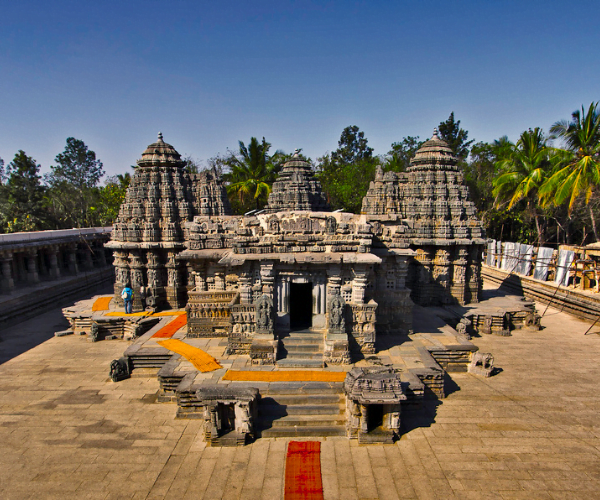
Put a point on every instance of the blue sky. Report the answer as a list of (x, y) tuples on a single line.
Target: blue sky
[(208, 74)]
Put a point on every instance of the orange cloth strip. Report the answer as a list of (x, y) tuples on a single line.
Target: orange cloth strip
[(167, 331), (201, 360), (303, 471), (285, 376), (124, 315), (101, 304)]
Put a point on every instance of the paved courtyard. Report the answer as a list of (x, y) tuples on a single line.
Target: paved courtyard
[(531, 431)]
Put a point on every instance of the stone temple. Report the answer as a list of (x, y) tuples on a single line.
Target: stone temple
[(297, 288)]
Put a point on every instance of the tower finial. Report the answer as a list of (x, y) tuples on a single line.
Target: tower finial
[(435, 133), (160, 137), (296, 153)]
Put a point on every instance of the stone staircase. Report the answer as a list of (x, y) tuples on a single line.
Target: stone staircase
[(302, 409), (302, 349)]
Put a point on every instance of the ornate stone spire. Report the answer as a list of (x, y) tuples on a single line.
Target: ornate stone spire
[(296, 188), (149, 230), (160, 153)]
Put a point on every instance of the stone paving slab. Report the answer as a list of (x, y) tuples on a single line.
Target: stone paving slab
[(531, 431)]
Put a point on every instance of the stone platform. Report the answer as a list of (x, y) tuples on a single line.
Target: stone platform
[(67, 431), (419, 361)]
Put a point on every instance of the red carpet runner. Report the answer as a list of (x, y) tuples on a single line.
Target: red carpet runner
[(303, 471)]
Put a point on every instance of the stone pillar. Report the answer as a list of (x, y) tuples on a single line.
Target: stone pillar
[(334, 280), (245, 282), (7, 282), (53, 256), (267, 277), (100, 252), (319, 301), (285, 299), (359, 284), (88, 260), (32, 267), (72, 259), (219, 281), (316, 297), (364, 420)]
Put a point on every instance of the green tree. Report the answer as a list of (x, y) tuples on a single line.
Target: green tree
[(398, 158), (107, 200), (22, 196), (72, 182), (523, 169), (578, 164), (191, 165), (345, 174), (251, 173), (456, 137)]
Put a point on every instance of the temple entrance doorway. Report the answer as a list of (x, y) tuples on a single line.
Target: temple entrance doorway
[(374, 417), (300, 306)]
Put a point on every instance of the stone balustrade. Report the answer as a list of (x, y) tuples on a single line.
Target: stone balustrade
[(43, 269), (30, 258)]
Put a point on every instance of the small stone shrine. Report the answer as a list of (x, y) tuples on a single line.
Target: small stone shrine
[(298, 286)]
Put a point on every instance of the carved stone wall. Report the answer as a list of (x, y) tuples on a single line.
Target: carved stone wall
[(150, 229), (296, 189), (427, 208)]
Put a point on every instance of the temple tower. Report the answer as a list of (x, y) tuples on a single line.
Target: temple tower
[(439, 222), (149, 231), (296, 189)]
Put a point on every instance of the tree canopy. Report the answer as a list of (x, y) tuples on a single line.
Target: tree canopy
[(22, 196), (251, 173), (398, 158), (455, 136), (345, 174)]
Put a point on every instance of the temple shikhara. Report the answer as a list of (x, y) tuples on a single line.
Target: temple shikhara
[(295, 301)]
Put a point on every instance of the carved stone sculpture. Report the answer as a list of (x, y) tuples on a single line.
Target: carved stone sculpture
[(336, 322), (482, 363), (94, 332), (462, 327), (264, 314), (119, 369)]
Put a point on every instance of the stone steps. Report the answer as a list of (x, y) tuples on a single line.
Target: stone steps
[(321, 420), (302, 362), (313, 409), (321, 431), (304, 349)]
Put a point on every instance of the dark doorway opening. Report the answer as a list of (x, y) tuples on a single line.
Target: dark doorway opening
[(300, 306), (227, 416), (374, 417)]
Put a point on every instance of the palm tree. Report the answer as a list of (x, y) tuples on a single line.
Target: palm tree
[(252, 172), (577, 170), (524, 167)]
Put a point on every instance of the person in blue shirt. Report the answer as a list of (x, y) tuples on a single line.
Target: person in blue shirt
[(127, 296)]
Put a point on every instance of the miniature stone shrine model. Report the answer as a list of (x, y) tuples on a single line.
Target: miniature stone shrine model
[(299, 286)]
